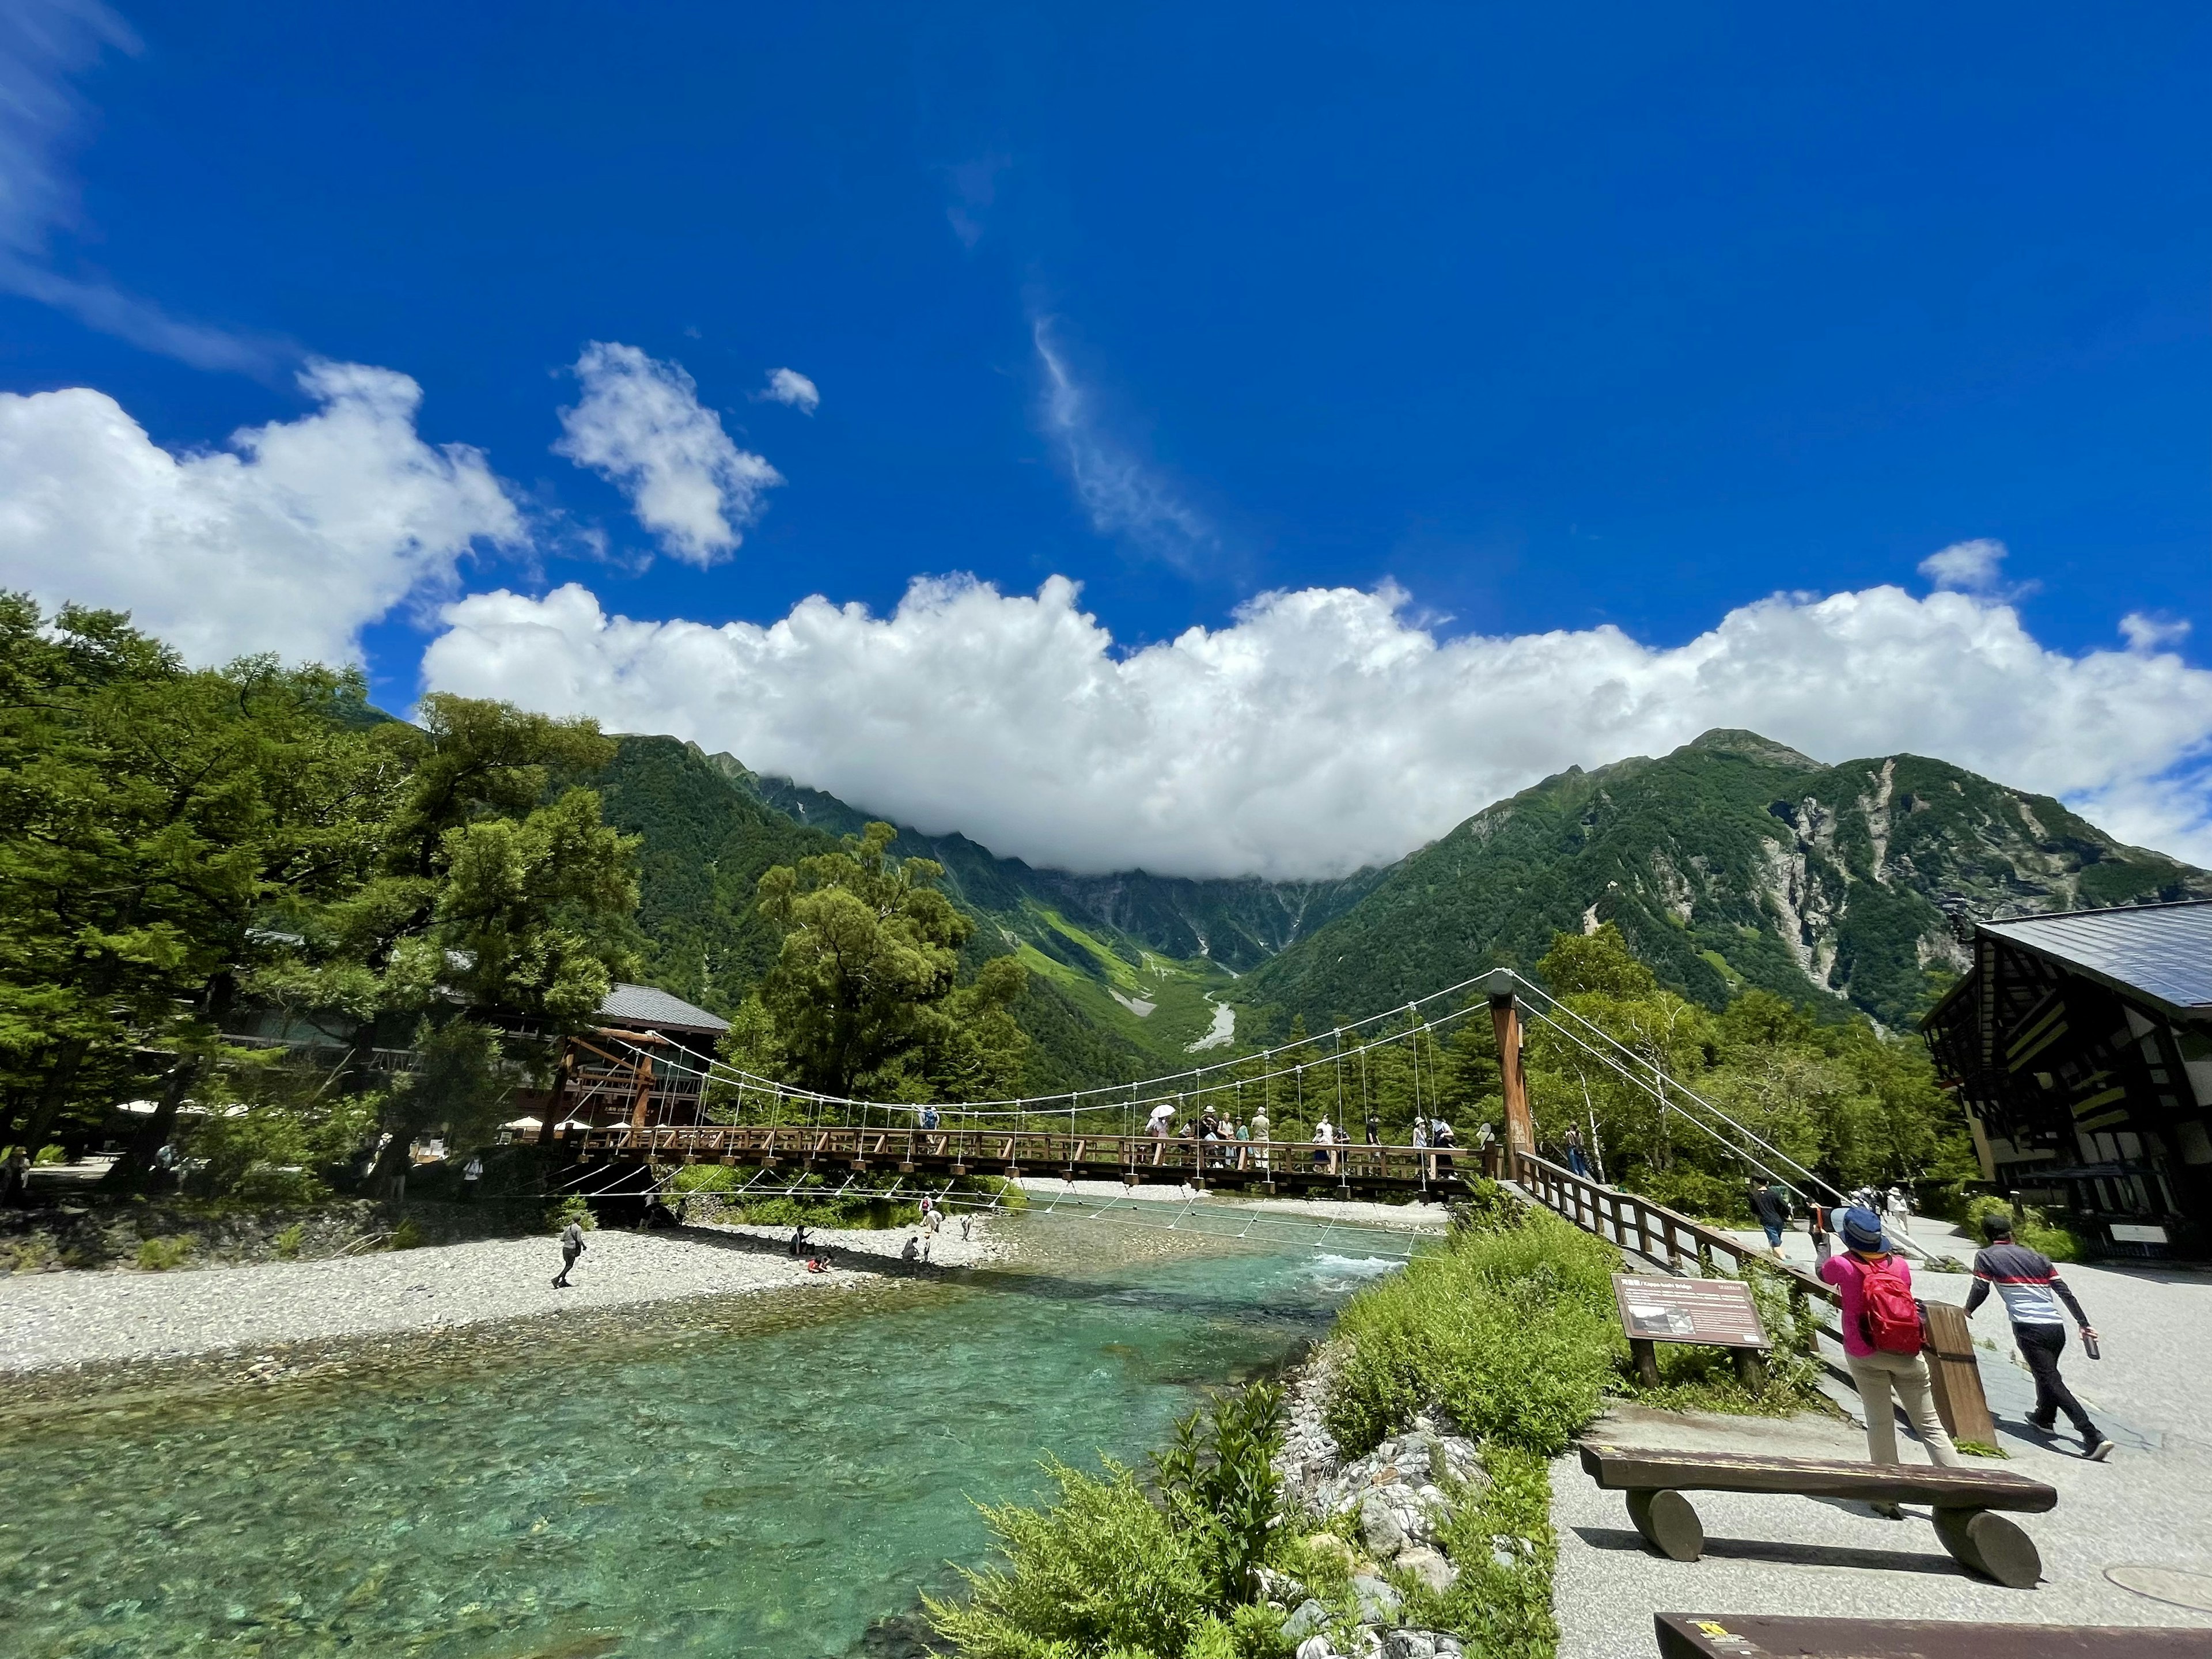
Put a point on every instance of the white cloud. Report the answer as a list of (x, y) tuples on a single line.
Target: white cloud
[(788, 386), (303, 534), (2145, 632), (1324, 728), (42, 44), (1966, 566), (641, 426), (1122, 495)]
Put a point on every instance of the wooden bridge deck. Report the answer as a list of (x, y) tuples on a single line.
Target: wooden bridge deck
[(1260, 1166)]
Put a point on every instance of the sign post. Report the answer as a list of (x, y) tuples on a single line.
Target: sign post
[(1707, 1312)]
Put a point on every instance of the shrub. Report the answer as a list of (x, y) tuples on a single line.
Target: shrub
[(406, 1235), (704, 1178), (1219, 1476), (275, 1185), (290, 1241), (1512, 1333), (570, 1208), (2033, 1229), (1501, 1540), (50, 1155), (1101, 1570), (158, 1255)]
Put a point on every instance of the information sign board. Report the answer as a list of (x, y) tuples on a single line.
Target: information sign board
[(1715, 1312)]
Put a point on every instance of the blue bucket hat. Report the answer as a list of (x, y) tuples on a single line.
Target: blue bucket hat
[(1862, 1229)]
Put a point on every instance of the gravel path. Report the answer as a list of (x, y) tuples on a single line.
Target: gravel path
[(56, 1320)]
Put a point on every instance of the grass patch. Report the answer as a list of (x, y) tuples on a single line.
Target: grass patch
[(159, 1255)]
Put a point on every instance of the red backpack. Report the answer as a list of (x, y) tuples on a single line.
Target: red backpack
[(1889, 1317)]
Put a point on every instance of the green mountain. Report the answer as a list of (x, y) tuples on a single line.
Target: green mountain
[(1732, 862)]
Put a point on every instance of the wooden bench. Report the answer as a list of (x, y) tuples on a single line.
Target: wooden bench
[(1758, 1636), (1655, 1480)]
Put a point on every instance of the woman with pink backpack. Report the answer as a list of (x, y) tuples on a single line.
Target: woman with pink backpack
[(1882, 1337)]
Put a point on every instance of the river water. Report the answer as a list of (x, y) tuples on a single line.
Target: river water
[(750, 1476)]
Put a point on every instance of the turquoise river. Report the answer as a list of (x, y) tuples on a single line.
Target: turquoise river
[(769, 1475)]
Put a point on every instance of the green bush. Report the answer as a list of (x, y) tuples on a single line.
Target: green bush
[(704, 1178), (1722, 1198), (273, 1185), (158, 1255), (2033, 1229), (1103, 1570), (1513, 1333), (1501, 1540), (50, 1155), (290, 1241), (406, 1235), (571, 1208), (1111, 1570)]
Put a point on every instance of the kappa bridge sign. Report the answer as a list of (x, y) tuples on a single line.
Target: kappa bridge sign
[(1706, 1312)]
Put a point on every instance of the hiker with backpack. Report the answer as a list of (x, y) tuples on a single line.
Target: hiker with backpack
[(1882, 1339)]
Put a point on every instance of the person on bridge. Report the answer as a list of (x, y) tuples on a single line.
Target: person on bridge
[(1260, 1130), (1576, 1160), (1771, 1206), (1324, 1140), (2031, 1289), (1882, 1339), (929, 1118), (1374, 1128), (1157, 1124)]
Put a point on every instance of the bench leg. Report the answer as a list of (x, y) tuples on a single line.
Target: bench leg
[(1668, 1523), (1991, 1546)]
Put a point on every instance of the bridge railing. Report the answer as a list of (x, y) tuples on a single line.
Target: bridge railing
[(1034, 1152)]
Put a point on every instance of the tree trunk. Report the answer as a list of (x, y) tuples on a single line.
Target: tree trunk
[(138, 1159), (53, 1094)]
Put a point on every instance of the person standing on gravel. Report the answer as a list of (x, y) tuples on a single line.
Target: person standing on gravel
[(472, 1173), (1882, 1339), (2031, 1289), (571, 1246)]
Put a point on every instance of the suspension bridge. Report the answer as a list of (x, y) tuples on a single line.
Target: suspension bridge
[(630, 1107)]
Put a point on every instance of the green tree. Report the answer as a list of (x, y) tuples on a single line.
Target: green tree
[(865, 993)]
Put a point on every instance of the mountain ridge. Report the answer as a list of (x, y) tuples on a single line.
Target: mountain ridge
[(1731, 862)]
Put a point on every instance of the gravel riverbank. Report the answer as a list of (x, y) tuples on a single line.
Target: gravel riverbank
[(55, 1320)]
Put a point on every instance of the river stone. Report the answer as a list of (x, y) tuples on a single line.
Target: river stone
[(1409, 1644), (1315, 1647), (1367, 1643), (1309, 1617), (1429, 1566), (1378, 1602), (1380, 1525)]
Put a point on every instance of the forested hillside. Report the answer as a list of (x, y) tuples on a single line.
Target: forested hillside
[(1731, 863)]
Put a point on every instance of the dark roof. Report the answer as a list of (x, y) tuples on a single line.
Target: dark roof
[(2161, 953), (646, 1004)]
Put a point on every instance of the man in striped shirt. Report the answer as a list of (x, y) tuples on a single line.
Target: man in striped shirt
[(2031, 1289)]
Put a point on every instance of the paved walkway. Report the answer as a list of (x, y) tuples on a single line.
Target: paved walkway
[(2150, 1506)]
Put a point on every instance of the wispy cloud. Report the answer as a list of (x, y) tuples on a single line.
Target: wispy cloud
[(1122, 493), (1974, 567), (788, 386), (975, 186), (43, 44), (2145, 632)]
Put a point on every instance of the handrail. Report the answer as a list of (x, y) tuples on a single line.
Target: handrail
[(1578, 1197)]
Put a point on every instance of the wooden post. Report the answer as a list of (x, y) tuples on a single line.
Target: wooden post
[(1505, 1021), (644, 1090), (1957, 1375), (1647, 1359)]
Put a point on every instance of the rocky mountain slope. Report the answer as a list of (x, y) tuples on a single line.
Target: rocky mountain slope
[(1732, 862)]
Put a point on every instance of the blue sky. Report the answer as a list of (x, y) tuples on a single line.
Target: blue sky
[(1576, 317)]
